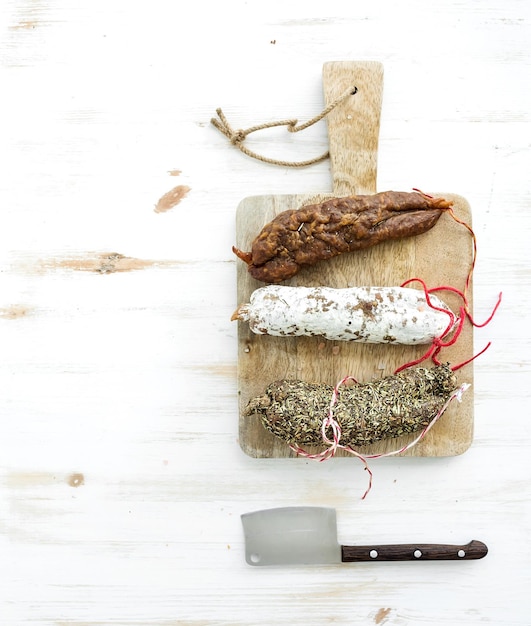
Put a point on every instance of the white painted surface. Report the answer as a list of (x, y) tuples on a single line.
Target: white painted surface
[(121, 477)]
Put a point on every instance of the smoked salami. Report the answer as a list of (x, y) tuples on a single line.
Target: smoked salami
[(300, 237)]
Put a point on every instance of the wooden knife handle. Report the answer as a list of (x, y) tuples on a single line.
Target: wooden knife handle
[(414, 552)]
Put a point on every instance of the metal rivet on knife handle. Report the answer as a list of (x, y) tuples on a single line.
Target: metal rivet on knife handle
[(414, 552)]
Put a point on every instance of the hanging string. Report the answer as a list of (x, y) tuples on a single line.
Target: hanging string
[(439, 342), (237, 137), (464, 311), (464, 292)]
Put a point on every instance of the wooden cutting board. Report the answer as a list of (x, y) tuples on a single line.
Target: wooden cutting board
[(440, 257)]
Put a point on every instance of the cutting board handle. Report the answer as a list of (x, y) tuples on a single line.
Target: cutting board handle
[(354, 125)]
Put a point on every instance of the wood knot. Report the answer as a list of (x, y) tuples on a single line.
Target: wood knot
[(76, 480)]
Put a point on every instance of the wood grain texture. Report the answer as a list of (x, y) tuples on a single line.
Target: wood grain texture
[(354, 126), (263, 359), (122, 480)]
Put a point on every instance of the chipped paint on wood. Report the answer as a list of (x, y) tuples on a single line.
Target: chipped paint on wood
[(24, 25), (171, 198), (31, 15), (101, 263), (14, 311), (18, 480), (22, 480), (381, 615), (224, 370)]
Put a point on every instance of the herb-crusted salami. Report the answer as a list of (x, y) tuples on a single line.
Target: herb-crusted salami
[(389, 407), (395, 315), (316, 232)]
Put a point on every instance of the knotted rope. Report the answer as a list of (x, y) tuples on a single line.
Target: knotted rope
[(237, 137)]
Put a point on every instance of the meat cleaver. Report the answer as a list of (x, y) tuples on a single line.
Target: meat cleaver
[(307, 535)]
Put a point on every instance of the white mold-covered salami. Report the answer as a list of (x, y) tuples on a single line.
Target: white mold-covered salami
[(396, 315)]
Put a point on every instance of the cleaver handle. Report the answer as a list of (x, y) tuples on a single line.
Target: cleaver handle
[(414, 552)]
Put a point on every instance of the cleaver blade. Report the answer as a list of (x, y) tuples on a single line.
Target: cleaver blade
[(307, 535)]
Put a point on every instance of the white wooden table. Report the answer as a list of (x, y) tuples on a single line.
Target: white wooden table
[(121, 477)]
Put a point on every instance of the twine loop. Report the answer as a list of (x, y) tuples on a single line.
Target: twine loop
[(237, 137)]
